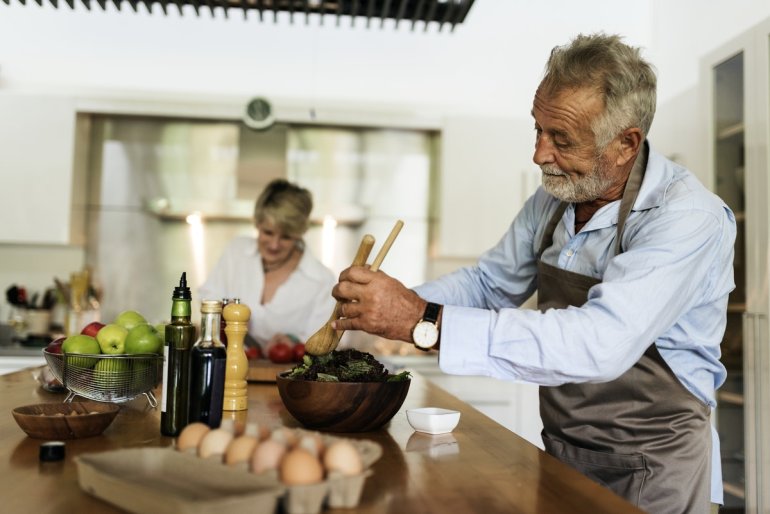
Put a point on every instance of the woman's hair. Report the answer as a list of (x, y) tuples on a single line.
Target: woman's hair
[(617, 71), (285, 204)]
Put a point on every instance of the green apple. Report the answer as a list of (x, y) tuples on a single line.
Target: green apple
[(111, 374), (81, 343), (112, 338), (161, 328), (129, 319), (144, 339)]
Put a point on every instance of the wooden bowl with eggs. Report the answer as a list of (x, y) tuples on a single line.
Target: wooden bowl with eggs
[(342, 406)]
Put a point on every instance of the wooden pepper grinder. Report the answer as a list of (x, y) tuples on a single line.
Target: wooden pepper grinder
[(237, 317)]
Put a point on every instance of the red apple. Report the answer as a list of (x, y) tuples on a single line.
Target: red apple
[(280, 353), (92, 328), (55, 345), (298, 351)]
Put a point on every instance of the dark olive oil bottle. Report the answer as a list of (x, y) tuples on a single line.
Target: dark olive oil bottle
[(208, 363), (180, 336)]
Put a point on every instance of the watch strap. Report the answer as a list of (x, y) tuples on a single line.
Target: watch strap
[(431, 313)]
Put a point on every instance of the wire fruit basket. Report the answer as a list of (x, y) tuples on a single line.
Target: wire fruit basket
[(107, 378)]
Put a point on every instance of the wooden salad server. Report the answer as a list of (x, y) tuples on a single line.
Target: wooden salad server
[(326, 339), (323, 341)]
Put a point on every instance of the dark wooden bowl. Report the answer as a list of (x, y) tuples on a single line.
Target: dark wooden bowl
[(56, 421), (342, 406)]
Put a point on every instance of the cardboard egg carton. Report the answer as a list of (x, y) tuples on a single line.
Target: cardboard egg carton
[(167, 481)]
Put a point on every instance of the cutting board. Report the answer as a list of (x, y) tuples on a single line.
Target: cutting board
[(262, 370)]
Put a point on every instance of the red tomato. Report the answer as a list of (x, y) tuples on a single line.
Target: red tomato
[(298, 351), (253, 352), (280, 353)]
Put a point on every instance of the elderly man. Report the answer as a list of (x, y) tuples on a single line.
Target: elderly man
[(631, 258)]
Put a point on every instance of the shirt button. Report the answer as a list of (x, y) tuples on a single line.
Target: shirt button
[(570, 253)]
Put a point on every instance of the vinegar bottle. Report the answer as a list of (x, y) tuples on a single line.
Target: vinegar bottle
[(208, 361), (180, 335)]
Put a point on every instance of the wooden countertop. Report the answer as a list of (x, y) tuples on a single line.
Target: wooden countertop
[(480, 467)]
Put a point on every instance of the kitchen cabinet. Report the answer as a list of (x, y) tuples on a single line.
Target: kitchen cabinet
[(37, 165), (736, 92)]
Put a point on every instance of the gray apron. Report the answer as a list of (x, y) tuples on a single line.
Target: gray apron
[(642, 435)]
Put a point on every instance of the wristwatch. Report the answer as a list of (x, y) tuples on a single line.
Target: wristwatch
[(425, 333)]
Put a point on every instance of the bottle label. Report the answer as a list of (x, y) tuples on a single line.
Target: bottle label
[(164, 392)]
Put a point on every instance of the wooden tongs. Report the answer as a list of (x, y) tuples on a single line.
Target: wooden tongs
[(326, 338)]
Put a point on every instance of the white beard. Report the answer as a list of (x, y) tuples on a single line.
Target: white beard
[(582, 188)]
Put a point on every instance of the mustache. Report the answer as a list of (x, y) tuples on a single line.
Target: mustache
[(550, 169)]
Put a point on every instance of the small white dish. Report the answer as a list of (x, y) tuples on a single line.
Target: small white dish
[(433, 420)]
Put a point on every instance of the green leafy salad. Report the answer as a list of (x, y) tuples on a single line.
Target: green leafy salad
[(344, 366)]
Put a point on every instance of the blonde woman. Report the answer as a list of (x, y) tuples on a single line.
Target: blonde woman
[(287, 289)]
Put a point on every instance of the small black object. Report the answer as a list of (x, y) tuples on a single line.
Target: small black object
[(182, 291), (52, 451)]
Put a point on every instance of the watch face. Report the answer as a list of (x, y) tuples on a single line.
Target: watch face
[(425, 334)]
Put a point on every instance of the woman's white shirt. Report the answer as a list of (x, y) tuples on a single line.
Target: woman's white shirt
[(300, 306)]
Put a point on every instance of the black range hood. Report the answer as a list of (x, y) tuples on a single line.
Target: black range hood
[(447, 13)]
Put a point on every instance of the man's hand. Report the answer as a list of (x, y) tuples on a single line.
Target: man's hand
[(377, 303)]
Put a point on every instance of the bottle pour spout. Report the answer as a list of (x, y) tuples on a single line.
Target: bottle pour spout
[(182, 291)]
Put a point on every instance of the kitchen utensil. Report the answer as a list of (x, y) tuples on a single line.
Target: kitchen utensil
[(121, 378), (376, 265), (325, 340), (38, 321), (16, 296), (65, 420), (342, 406)]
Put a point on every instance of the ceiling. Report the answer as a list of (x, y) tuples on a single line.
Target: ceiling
[(372, 13)]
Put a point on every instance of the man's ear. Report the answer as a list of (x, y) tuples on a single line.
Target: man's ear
[(630, 142)]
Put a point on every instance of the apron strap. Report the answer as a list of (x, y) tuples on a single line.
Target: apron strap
[(630, 193), (549, 229)]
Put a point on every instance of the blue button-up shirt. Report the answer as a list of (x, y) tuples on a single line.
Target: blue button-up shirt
[(670, 285)]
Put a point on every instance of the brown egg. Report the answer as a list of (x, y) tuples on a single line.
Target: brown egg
[(342, 457), (191, 436), (264, 433), (240, 450), (214, 443), (267, 456), (299, 467)]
